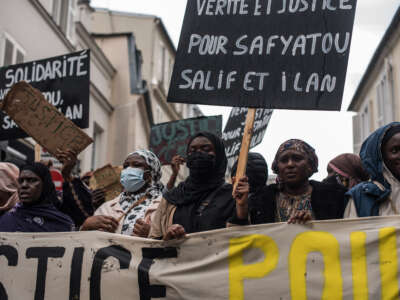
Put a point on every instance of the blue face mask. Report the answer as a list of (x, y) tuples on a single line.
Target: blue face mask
[(132, 179)]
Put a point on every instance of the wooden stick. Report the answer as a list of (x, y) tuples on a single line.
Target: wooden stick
[(244, 149), (38, 151)]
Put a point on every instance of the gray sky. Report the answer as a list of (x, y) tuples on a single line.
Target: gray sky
[(330, 133)]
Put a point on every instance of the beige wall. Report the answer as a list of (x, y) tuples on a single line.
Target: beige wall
[(368, 117), (129, 124)]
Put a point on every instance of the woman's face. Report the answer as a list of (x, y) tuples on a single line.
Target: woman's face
[(293, 167), (136, 161), (30, 187), (391, 155), (201, 144)]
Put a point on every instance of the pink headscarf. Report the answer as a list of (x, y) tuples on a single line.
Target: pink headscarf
[(9, 183)]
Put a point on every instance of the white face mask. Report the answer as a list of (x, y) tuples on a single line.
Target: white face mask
[(132, 179)]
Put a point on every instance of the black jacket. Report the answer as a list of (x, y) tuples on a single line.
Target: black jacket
[(327, 201)]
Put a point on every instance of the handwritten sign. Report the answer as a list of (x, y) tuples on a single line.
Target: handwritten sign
[(107, 178), (234, 129), (340, 259), (264, 54), (63, 80), (42, 121), (172, 138)]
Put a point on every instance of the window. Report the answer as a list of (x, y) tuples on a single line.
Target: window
[(162, 64), (365, 125), (158, 114), (11, 52), (56, 11), (384, 93), (70, 29), (96, 146)]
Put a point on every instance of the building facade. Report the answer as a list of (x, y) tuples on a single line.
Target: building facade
[(131, 65), (32, 30), (377, 99), (117, 34)]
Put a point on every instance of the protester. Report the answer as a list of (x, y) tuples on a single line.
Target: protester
[(296, 198), (176, 163), (36, 211), (257, 174), (380, 154), (347, 170), (204, 200), (86, 178), (77, 199), (130, 213), (8, 186)]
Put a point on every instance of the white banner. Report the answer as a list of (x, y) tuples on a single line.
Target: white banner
[(349, 259)]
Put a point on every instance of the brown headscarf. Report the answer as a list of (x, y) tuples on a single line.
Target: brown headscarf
[(297, 145), (9, 174), (349, 166)]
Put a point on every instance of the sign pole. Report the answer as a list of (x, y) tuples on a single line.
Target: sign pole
[(244, 149), (38, 151)]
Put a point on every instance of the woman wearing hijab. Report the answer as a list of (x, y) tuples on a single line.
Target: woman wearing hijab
[(204, 200), (296, 199), (8, 186), (380, 155), (36, 211), (130, 213), (347, 170)]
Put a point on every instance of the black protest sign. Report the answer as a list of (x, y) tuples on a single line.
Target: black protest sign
[(264, 53), (172, 138), (234, 129), (64, 82)]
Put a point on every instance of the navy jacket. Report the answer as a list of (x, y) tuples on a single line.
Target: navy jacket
[(368, 196)]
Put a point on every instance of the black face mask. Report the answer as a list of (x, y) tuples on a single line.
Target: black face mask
[(200, 163)]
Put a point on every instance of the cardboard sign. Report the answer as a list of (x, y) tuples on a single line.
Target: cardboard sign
[(330, 260), (42, 121), (234, 129), (107, 178), (264, 54), (64, 82), (172, 138)]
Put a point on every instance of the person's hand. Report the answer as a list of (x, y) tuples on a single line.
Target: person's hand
[(98, 198), (175, 231), (141, 229), (300, 217), (242, 191), (176, 163), (101, 223), (68, 158)]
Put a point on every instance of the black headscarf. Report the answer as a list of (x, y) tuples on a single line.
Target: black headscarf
[(204, 203), (256, 171), (49, 194), (194, 189)]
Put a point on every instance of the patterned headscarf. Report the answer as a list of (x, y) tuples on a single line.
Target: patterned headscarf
[(9, 183), (297, 145), (153, 191)]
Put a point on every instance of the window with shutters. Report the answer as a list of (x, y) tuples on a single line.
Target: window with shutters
[(162, 64), (11, 52), (56, 11), (384, 93), (365, 125), (96, 146), (70, 28)]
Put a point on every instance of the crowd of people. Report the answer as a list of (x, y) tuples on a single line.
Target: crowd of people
[(356, 186)]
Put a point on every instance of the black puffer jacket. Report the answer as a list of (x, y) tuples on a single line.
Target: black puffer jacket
[(327, 201)]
